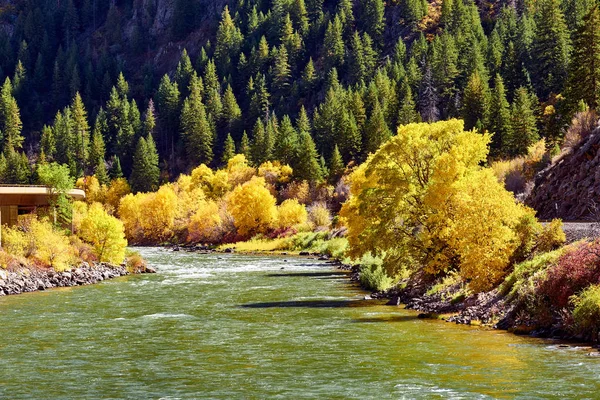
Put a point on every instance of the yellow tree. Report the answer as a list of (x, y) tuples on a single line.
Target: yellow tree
[(105, 233), (252, 207), (416, 200)]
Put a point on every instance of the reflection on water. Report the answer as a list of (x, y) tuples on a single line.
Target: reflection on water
[(231, 326)]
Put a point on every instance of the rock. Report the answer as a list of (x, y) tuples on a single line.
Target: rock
[(228, 250), (367, 297), (323, 258), (304, 253), (394, 301)]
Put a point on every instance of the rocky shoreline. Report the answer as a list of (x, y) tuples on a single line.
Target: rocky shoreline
[(25, 279)]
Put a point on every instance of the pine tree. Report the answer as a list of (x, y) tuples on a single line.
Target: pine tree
[(196, 129), (232, 113), (184, 72), (97, 154), (584, 72), (476, 103), (376, 130), (168, 112), (244, 147), (500, 119), (48, 142), (145, 173), (550, 48), (524, 123), (10, 118), (333, 44), (81, 132), (149, 119), (306, 165), (257, 150), (336, 166), (407, 112), (286, 142), (281, 71), (303, 122), (228, 150), (309, 77), (229, 41), (115, 171), (372, 18)]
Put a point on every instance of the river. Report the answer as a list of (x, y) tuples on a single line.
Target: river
[(234, 326)]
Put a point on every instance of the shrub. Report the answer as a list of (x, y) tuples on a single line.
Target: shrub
[(252, 207), (319, 215), (105, 233), (50, 246), (205, 224), (551, 237), (14, 241), (134, 262), (582, 125), (525, 270), (578, 268), (586, 313), (373, 275), (297, 190), (291, 213)]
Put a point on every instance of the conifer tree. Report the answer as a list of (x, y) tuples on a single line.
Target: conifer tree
[(228, 150), (168, 111), (115, 171), (372, 18), (306, 165), (257, 150), (524, 124), (584, 71), (407, 112), (286, 142), (229, 41), (145, 172), (232, 113), (196, 129), (244, 147), (550, 48), (81, 132), (149, 119), (336, 166), (500, 119), (48, 142), (476, 103), (97, 154), (333, 44), (281, 71), (184, 72), (376, 130), (10, 118), (428, 98)]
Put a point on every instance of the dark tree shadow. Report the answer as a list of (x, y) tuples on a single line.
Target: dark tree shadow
[(395, 318), (331, 275), (314, 304)]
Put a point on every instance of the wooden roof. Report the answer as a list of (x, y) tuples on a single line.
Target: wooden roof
[(32, 195)]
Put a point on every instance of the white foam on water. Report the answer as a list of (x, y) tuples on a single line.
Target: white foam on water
[(167, 315)]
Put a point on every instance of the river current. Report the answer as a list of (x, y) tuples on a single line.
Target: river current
[(249, 327)]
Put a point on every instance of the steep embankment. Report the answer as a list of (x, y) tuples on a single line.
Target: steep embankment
[(570, 187)]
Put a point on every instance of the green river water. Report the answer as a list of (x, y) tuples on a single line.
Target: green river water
[(241, 327)]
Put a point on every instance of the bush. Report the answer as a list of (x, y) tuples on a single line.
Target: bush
[(578, 268), (105, 233), (205, 224), (291, 213), (373, 275), (319, 216), (586, 313), (134, 261), (50, 246), (252, 207), (14, 241), (551, 237), (527, 269)]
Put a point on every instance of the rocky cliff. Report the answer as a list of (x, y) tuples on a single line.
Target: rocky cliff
[(570, 187)]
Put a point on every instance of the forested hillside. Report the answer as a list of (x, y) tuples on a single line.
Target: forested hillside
[(148, 89)]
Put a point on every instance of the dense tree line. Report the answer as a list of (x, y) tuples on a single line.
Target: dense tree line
[(316, 85)]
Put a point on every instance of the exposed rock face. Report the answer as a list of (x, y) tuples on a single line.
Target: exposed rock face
[(30, 280), (570, 188)]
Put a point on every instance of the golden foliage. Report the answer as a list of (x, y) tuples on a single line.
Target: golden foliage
[(291, 213), (205, 223), (297, 190), (149, 217), (252, 207), (423, 201), (319, 216), (117, 189), (105, 233), (275, 173)]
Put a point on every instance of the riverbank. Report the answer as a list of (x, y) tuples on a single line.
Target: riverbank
[(27, 279)]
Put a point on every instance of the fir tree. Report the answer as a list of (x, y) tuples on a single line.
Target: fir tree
[(115, 171), (500, 119), (372, 18), (196, 129), (229, 41), (228, 150), (244, 147), (336, 166), (476, 103), (428, 98), (333, 44), (376, 130), (10, 118), (306, 165), (145, 172), (550, 48), (584, 72), (286, 142), (524, 123)]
